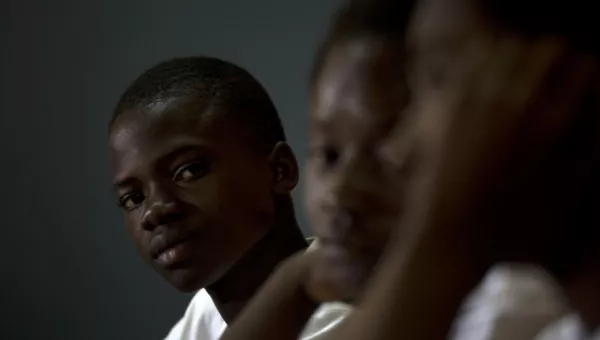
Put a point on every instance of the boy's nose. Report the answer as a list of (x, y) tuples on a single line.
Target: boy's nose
[(163, 209)]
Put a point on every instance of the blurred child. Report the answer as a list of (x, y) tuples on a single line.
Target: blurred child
[(355, 189), (506, 113)]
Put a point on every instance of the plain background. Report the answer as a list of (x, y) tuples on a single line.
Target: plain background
[(68, 268)]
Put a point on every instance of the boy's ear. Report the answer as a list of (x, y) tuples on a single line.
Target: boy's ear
[(284, 167)]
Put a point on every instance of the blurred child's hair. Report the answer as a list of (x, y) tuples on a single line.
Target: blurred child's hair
[(387, 19)]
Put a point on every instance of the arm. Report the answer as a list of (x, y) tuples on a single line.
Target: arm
[(280, 309)]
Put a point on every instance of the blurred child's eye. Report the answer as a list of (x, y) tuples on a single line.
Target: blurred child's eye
[(437, 73), (432, 73), (191, 171), (131, 201), (325, 154), (330, 155)]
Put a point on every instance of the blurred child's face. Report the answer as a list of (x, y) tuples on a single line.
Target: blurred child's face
[(195, 194), (354, 191), (512, 94)]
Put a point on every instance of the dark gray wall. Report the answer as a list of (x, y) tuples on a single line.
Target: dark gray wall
[(68, 269)]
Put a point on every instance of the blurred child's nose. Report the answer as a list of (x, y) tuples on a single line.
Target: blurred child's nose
[(358, 184)]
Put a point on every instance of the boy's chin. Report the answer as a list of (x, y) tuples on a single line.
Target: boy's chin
[(186, 281)]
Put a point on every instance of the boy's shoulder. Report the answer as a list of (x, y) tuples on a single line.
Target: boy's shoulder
[(200, 321)]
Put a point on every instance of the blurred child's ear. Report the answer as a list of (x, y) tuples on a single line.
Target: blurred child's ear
[(284, 167)]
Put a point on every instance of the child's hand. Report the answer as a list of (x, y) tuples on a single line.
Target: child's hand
[(298, 270), (281, 307), (318, 288)]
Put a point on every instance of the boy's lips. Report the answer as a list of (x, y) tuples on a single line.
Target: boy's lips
[(169, 249), (175, 255)]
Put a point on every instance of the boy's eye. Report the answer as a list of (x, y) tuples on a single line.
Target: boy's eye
[(131, 201), (191, 172)]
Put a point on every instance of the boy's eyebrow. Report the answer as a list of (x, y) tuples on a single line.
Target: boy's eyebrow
[(123, 182), (183, 148), (177, 150)]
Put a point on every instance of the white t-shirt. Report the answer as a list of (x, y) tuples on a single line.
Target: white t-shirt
[(513, 302), (202, 320), (567, 328)]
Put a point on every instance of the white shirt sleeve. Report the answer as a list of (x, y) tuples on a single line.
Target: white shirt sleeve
[(567, 328), (326, 318), (513, 302), (201, 320)]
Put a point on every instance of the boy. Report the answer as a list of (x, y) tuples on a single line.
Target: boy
[(204, 175), (511, 91), (354, 188)]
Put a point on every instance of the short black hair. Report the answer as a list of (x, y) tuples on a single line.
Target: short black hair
[(387, 19), (224, 86)]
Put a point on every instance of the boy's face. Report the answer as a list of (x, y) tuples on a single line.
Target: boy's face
[(353, 190), (196, 196)]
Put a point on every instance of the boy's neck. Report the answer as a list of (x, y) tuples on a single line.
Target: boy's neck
[(231, 293)]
